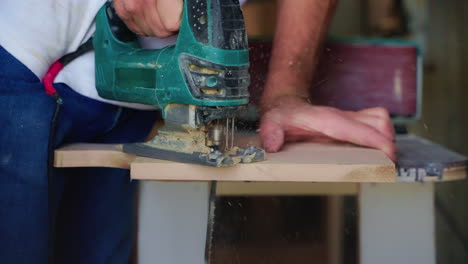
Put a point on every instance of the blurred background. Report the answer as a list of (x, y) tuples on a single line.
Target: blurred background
[(250, 228)]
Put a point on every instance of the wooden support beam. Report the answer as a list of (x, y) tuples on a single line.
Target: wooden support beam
[(285, 188)]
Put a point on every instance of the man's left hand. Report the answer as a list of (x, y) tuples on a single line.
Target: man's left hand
[(292, 118)]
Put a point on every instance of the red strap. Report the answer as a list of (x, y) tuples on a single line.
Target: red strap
[(49, 77)]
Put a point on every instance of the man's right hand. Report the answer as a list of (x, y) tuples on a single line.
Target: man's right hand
[(151, 18)]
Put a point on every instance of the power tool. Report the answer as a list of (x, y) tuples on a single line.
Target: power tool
[(200, 84)]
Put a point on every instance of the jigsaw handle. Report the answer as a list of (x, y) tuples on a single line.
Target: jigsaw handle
[(208, 66), (228, 28)]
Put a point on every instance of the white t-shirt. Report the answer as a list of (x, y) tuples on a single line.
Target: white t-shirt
[(39, 32)]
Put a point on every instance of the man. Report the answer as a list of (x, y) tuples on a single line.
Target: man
[(286, 113), (94, 214)]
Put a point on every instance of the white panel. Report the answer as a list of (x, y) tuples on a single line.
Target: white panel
[(397, 223), (172, 222)]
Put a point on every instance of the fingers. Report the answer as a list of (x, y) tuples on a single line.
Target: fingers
[(279, 126), (157, 18), (157, 28), (338, 126), (171, 14), (379, 112), (143, 25), (123, 13), (294, 120), (382, 123), (272, 134)]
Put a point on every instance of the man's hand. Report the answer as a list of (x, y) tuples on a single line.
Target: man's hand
[(286, 115), (151, 18), (292, 118)]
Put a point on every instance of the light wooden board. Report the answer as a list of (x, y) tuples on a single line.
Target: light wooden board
[(102, 155), (304, 162), (92, 155)]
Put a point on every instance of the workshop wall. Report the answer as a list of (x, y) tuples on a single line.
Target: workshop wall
[(260, 18), (445, 117)]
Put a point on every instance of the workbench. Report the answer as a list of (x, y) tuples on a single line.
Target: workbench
[(396, 204)]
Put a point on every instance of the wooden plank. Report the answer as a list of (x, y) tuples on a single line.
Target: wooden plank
[(104, 155), (285, 188), (303, 162), (453, 165), (422, 160), (92, 155), (450, 174)]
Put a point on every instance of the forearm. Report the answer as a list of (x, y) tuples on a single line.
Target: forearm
[(301, 26)]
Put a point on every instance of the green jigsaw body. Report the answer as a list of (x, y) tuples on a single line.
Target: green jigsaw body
[(200, 69), (199, 84)]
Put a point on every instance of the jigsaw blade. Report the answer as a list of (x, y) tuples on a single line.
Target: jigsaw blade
[(194, 135), (210, 225), (213, 159)]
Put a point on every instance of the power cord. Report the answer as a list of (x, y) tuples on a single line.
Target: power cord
[(48, 82)]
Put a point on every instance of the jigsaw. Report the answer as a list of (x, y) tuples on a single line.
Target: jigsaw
[(200, 84)]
